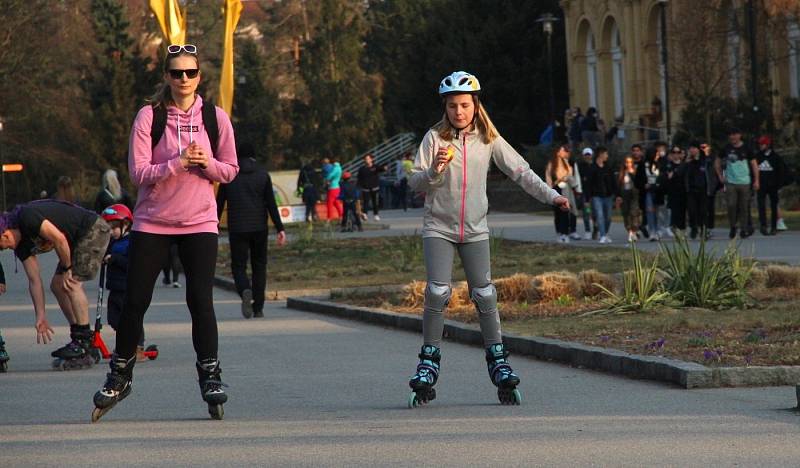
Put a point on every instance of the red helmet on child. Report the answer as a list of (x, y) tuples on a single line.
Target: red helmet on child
[(118, 212), (346, 175)]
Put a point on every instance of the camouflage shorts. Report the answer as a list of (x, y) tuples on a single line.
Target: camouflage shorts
[(87, 256)]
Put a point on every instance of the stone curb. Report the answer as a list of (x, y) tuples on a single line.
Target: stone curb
[(685, 374)]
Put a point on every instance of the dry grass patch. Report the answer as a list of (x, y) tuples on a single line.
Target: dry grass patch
[(591, 280), (515, 288), (551, 286), (779, 276)]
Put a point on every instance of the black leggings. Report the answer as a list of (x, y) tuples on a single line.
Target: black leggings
[(198, 254)]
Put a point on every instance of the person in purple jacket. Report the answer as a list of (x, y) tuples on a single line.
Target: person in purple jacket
[(175, 178)]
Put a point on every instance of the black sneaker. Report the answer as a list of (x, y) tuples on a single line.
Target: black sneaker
[(732, 234), (247, 303), (745, 233), (764, 231), (258, 314)]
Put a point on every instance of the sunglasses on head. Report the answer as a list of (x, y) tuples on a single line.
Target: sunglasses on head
[(177, 48), (178, 74)]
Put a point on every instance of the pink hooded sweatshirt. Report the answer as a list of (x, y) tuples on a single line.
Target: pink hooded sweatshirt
[(171, 199)]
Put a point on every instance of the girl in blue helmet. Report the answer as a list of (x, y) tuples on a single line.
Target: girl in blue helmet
[(451, 167)]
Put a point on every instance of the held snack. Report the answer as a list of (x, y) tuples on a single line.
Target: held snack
[(450, 153)]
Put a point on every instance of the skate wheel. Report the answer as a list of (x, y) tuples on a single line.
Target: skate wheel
[(98, 413), (216, 411), (413, 402), (508, 396), (153, 352)]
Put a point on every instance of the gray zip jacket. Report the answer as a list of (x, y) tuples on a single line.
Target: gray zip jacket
[(455, 201)]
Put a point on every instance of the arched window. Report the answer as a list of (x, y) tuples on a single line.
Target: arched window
[(794, 59), (618, 74), (591, 69)]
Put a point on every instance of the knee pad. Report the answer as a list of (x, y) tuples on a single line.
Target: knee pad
[(437, 295), (485, 299)]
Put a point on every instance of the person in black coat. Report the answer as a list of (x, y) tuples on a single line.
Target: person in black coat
[(250, 199), (771, 168), (673, 181), (369, 183), (696, 189)]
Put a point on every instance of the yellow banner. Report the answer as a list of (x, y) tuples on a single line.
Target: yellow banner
[(233, 9), (171, 19)]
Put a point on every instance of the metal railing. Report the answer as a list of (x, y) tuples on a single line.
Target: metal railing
[(384, 153)]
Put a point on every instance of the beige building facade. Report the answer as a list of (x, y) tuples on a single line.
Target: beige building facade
[(615, 64)]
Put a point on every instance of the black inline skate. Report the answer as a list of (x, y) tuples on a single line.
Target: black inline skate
[(503, 377), (77, 354), (116, 388), (427, 373), (3, 356), (208, 375)]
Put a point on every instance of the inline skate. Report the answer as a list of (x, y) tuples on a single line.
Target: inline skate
[(3, 356), (117, 386), (77, 354), (503, 377), (427, 373), (208, 375)]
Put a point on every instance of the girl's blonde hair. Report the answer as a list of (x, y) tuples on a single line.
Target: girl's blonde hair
[(163, 95), (482, 122)]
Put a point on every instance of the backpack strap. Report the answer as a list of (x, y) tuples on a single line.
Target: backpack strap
[(209, 112), (158, 126)]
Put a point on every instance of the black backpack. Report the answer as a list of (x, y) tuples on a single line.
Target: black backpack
[(209, 113)]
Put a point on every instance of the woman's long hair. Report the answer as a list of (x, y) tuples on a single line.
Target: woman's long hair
[(481, 120), (556, 162), (111, 184), (163, 95)]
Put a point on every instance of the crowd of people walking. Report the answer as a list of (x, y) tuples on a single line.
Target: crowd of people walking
[(664, 191)]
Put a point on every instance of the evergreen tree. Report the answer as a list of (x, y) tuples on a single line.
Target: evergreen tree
[(111, 83), (343, 116), (256, 110)]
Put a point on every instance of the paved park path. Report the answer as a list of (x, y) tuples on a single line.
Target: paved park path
[(308, 390)]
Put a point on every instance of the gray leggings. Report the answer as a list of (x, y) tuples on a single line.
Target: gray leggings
[(439, 255)]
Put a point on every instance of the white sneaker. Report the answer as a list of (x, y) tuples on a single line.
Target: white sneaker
[(668, 232), (603, 240), (377, 218), (575, 236), (608, 239), (781, 226), (632, 237), (587, 236), (562, 239), (176, 285)]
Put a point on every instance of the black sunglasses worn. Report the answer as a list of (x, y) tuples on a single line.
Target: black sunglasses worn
[(178, 74)]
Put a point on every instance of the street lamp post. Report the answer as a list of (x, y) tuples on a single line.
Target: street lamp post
[(665, 64), (548, 20)]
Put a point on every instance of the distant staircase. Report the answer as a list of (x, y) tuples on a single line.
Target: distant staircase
[(384, 153)]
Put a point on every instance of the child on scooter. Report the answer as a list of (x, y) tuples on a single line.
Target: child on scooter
[(120, 218)]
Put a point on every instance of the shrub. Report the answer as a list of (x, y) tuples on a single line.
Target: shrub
[(703, 279), (641, 289)]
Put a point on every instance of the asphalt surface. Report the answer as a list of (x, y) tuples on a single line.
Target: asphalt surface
[(308, 390)]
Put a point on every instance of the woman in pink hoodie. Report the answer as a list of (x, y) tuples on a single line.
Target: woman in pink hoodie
[(175, 178)]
